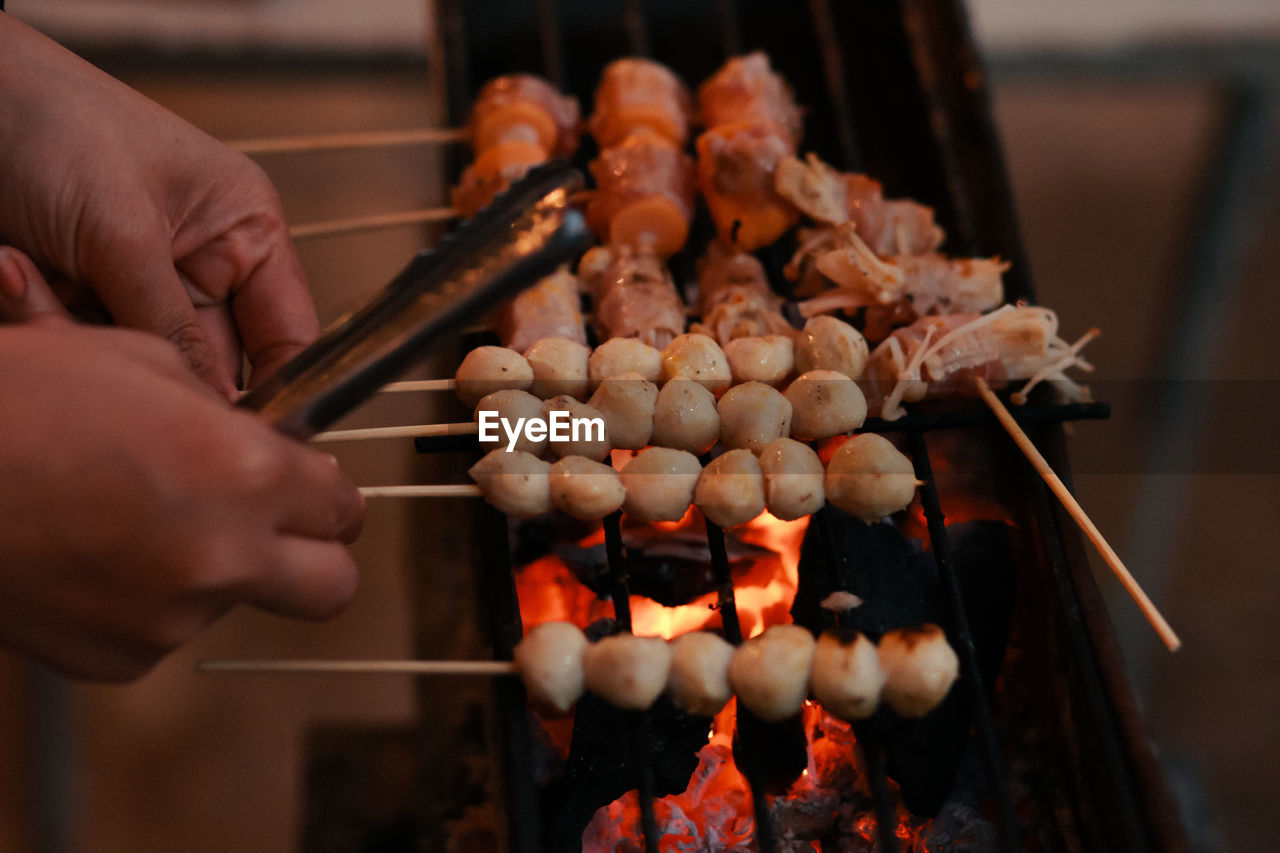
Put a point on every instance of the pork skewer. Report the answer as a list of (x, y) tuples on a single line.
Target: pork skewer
[(517, 122), (644, 181), (752, 125)]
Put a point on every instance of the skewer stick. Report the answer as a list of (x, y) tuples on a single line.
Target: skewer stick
[(344, 141), (418, 385), (410, 667), (449, 490), (380, 222), (409, 431), (1077, 512)]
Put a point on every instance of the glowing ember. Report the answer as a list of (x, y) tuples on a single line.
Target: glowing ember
[(549, 591)]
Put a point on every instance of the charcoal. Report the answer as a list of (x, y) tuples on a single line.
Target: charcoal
[(896, 580), (601, 767), (777, 752), (900, 587), (671, 569)]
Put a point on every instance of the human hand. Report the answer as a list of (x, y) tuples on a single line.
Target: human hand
[(176, 233), (138, 507)]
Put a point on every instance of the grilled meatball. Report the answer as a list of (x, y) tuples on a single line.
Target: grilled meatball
[(830, 344), (792, 479), (869, 478), (730, 490), (489, 369), (846, 676), (825, 404), (699, 358), (659, 484), (513, 406), (586, 429), (699, 679), (515, 482), (585, 489), (627, 671), (919, 669), (685, 416), (627, 402), (559, 367), (751, 415), (770, 673), (769, 359), (549, 660), (623, 355)]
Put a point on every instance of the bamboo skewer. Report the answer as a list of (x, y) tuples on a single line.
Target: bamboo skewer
[(1077, 512), (409, 431), (408, 667), (347, 141), (418, 385), (444, 490), (378, 222)]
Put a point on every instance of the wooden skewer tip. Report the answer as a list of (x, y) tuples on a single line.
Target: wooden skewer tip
[(1117, 566)]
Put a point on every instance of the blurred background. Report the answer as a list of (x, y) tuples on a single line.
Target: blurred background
[(1142, 142)]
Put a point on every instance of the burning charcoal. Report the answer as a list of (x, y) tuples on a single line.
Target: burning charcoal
[(962, 829), (600, 767), (669, 567)]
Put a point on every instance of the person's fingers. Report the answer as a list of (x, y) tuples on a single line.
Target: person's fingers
[(257, 267), (322, 501), (310, 578), (142, 290), (223, 336), (24, 293), (275, 313)]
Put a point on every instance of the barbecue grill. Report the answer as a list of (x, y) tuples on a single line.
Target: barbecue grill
[(895, 89)]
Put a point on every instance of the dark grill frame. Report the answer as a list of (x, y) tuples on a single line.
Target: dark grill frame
[(901, 95)]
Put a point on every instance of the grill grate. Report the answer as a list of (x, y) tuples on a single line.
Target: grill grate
[(905, 100)]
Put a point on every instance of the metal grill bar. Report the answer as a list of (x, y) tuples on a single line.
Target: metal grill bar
[(638, 720), (962, 639), (870, 746), (751, 770)]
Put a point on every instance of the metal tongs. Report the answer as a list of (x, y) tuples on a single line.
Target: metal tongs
[(523, 235)]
